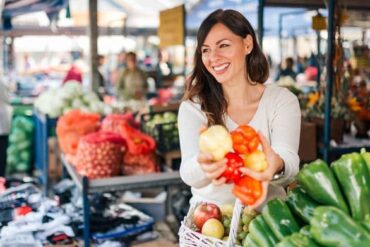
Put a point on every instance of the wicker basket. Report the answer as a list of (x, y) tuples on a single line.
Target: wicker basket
[(190, 238)]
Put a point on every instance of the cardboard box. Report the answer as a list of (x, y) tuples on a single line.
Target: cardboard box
[(308, 142)]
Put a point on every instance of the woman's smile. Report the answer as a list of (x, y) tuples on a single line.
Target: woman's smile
[(221, 68)]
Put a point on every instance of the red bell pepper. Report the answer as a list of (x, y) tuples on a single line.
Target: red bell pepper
[(137, 142), (248, 190), (245, 139), (232, 172)]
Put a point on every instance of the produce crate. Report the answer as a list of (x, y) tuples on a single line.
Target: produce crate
[(190, 238), (163, 128), (44, 128)]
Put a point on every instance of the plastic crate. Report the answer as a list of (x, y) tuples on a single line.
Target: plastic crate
[(44, 128), (165, 134)]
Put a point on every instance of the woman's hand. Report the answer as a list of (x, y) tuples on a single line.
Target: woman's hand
[(275, 164), (212, 169)]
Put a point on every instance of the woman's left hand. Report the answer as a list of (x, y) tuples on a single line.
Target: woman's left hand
[(275, 163)]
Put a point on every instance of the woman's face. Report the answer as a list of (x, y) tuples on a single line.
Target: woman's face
[(223, 53)]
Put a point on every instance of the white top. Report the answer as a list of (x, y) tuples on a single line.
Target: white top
[(278, 117)]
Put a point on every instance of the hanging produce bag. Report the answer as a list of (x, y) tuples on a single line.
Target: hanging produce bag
[(74, 125), (99, 155), (140, 157), (113, 122)]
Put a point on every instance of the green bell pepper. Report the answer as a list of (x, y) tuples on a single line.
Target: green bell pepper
[(305, 230), (260, 233), (248, 242), (301, 204), (354, 179), (366, 223), (279, 218), (332, 227), (297, 240), (318, 180), (366, 156)]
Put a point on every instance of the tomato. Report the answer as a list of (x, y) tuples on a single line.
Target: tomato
[(248, 190), (245, 139), (232, 172)]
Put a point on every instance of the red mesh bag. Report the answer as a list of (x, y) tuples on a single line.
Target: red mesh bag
[(140, 156), (134, 164), (112, 122), (99, 155), (72, 126)]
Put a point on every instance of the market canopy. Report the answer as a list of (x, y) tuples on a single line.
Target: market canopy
[(13, 8), (142, 15), (298, 18)]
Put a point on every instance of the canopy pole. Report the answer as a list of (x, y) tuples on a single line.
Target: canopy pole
[(261, 5), (329, 81), (93, 36)]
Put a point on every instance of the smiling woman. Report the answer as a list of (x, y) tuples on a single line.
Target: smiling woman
[(227, 88)]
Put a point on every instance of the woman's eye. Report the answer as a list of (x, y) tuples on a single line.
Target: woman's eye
[(224, 45), (204, 50)]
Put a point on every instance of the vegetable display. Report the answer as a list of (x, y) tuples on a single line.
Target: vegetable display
[(316, 212), (55, 102), (19, 151)]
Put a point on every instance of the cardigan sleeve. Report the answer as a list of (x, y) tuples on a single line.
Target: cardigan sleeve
[(190, 119), (285, 127)]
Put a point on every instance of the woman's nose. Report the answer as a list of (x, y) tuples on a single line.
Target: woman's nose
[(214, 55)]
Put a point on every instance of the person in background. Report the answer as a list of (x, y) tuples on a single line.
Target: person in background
[(132, 83), (4, 126), (101, 88), (163, 68), (75, 71), (227, 88), (288, 69), (120, 66)]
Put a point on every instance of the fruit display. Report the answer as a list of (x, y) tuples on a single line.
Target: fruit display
[(163, 128), (329, 207)]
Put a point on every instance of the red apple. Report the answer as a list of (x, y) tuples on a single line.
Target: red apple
[(204, 212)]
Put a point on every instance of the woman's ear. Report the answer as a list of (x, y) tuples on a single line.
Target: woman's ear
[(248, 44)]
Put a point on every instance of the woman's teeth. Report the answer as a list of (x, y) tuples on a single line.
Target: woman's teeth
[(221, 67)]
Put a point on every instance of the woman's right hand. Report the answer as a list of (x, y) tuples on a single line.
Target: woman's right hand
[(212, 169)]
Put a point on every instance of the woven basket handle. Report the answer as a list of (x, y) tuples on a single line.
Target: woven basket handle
[(234, 223)]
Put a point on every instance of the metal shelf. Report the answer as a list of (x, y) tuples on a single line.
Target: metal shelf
[(119, 183), (350, 144), (125, 182)]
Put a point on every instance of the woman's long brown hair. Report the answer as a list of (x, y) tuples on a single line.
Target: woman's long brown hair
[(202, 86)]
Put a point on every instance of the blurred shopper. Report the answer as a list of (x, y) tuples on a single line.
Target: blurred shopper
[(163, 68), (132, 83), (101, 88), (287, 70), (120, 66), (75, 71), (4, 125)]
